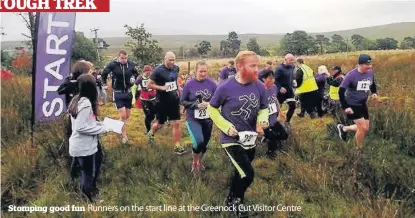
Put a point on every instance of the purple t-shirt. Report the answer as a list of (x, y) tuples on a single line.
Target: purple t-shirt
[(240, 104), (272, 104), (357, 87), (226, 73), (195, 90)]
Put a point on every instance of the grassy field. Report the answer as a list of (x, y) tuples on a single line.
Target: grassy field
[(313, 170)]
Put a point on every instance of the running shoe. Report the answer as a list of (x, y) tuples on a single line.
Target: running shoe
[(150, 138), (237, 203), (124, 140), (342, 133), (178, 149)]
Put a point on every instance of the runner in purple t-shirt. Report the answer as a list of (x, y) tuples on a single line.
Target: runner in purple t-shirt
[(354, 92), (243, 116), (227, 72), (195, 98), (276, 132)]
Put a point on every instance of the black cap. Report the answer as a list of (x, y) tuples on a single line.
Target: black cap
[(365, 59), (338, 69)]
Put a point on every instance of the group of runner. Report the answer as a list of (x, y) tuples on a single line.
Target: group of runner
[(244, 104)]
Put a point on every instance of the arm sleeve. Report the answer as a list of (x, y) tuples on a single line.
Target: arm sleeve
[(373, 87), (134, 90), (107, 70), (218, 119), (342, 97), (84, 127), (299, 77), (185, 101)]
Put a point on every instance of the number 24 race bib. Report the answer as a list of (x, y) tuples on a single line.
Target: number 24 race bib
[(247, 138)]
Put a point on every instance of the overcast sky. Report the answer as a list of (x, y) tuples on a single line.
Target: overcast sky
[(177, 17)]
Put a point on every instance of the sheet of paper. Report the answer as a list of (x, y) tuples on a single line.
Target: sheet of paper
[(114, 125)]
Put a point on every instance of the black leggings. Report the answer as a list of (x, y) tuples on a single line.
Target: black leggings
[(90, 167), (244, 172), (274, 134), (309, 101), (291, 103), (149, 109)]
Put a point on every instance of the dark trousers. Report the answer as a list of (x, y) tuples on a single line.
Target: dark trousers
[(90, 167), (319, 103), (274, 135), (149, 109), (309, 102), (291, 104), (244, 172)]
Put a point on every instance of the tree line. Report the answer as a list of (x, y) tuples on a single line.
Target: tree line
[(146, 50), (301, 43)]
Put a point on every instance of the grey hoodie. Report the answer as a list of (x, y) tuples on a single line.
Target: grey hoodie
[(85, 131)]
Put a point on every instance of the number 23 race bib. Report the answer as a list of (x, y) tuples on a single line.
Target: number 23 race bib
[(201, 114)]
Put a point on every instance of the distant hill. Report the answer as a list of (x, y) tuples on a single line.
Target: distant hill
[(173, 42)]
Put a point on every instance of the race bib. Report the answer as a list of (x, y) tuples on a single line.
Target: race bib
[(247, 138), (171, 86), (272, 108), (201, 114), (98, 76), (363, 85), (145, 83)]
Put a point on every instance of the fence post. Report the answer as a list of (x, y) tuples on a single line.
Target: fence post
[(188, 66)]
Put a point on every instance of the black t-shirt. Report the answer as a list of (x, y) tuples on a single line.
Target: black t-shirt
[(162, 76)]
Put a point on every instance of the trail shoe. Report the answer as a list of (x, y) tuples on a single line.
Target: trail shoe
[(342, 133), (124, 140), (271, 155), (195, 169), (178, 149), (238, 204), (150, 138), (97, 199)]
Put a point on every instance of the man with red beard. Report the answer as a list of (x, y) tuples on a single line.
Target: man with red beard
[(242, 118)]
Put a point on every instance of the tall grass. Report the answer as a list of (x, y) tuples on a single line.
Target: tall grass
[(313, 170)]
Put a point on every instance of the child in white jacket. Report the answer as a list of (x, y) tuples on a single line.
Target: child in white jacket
[(83, 143)]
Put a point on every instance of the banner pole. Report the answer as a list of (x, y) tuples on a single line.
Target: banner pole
[(34, 60)]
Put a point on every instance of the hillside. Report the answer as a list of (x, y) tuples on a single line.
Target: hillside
[(173, 42)]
